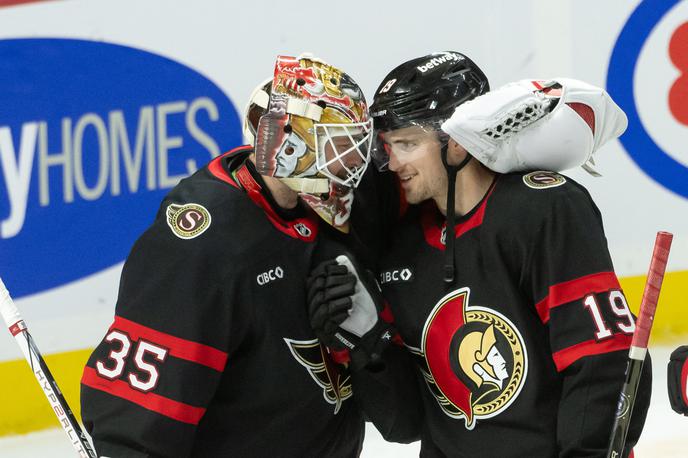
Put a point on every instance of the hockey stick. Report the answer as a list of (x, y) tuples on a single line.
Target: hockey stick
[(636, 355), (45, 379)]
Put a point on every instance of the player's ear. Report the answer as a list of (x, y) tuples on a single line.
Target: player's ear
[(455, 152)]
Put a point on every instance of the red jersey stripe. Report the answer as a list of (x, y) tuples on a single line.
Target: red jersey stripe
[(179, 348), (564, 358), (175, 410), (569, 291)]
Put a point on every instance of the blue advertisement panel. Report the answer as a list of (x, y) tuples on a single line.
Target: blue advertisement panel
[(657, 162), (92, 136)]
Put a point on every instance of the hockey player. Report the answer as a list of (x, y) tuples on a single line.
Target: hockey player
[(211, 352), (511, 308)]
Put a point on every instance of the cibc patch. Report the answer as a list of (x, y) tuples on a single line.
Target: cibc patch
[(188, 221), (402, 274), (542, 179)]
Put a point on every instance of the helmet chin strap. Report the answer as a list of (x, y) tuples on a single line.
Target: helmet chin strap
[(450, 234)]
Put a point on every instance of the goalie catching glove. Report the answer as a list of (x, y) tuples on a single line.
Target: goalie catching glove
[(537, 125), (344, 305)]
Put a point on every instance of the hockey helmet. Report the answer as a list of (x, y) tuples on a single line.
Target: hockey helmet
[(423, 92)]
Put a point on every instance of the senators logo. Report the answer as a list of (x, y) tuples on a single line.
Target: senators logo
[(543, 179), (335, 383), (187, 221), (472, 358)]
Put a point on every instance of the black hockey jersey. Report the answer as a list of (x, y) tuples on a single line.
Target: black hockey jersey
[(523, 355), (211, 353)]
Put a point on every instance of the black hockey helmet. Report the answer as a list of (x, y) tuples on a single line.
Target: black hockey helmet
[(426, 90)]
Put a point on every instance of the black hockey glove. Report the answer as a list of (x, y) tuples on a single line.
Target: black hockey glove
[(677, 380), (344, 303)]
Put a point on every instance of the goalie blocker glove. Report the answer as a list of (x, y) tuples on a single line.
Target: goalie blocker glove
[(677, 380), (344, 305)]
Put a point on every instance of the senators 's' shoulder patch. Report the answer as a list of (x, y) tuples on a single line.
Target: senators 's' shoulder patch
[(188, 221), (542, 179)]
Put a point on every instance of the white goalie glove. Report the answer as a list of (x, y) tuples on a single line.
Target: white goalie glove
[(548, 125)]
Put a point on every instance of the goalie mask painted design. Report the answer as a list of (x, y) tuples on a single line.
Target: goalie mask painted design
[(315, 135)]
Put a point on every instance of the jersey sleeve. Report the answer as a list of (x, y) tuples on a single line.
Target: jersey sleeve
[(578, 299), (389, 392), (148, 383), (389, 396)]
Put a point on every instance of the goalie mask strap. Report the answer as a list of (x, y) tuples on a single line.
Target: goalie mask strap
[(304, 109), (307, 185)]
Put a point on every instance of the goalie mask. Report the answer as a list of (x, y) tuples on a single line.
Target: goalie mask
[(315, 134)]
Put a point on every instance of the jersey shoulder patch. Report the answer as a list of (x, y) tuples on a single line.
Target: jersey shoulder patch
[(188, 221), (542, 179)]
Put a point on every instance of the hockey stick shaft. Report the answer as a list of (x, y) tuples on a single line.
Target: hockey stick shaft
[(45, 379), (636, 355)]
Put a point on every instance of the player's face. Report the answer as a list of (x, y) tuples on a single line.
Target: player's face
[(414, 155), (347, 154)]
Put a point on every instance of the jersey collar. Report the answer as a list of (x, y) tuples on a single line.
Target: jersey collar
[(434, 224), (301, 228)]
